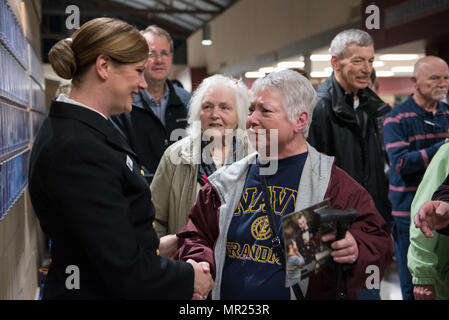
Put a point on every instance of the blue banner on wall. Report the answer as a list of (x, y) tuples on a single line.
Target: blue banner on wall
[(14, 128), (13, 180), (11, 33)]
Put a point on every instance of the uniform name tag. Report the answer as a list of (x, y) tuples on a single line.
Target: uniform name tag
[(129, 163)]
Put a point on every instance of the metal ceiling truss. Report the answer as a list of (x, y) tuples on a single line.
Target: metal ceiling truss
[(180, 18)]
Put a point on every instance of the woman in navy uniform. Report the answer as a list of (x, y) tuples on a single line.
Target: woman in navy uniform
[(86, 185)]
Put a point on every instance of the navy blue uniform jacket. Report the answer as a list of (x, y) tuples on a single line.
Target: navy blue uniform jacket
[(91, 199)]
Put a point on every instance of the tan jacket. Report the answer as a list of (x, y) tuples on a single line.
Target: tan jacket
[(175, 186)]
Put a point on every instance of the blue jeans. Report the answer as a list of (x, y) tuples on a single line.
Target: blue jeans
[(401, 235)]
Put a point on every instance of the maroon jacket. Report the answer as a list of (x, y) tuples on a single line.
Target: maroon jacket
[(198, 238)]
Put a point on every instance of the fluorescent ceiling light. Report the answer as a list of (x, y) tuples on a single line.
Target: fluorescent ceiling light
[(320, 57), (320, 74), (207, 41), (377, 64), (266, 70), (254, 74), (384, 73), (398, 57), (277, 69), (291, 64), (403, 69)]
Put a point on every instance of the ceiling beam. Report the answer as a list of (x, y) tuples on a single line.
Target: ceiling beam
[(215, 4), (140, 17), (176, 31), (183, 20), (197, 17)]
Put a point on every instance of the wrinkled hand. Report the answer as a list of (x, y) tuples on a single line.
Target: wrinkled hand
[(344, 250), (424, 292), (432, 215), (168, 245), (203, 282)]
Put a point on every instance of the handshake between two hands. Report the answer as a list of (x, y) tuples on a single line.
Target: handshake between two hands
[(203, 282)]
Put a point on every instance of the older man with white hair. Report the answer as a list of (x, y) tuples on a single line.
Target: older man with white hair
[(347, 120), (229, 224)]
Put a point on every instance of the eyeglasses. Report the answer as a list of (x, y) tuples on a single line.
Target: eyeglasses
[(164, 54)]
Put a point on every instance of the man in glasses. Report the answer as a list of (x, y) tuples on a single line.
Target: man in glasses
[(413, 133), (157, 110)]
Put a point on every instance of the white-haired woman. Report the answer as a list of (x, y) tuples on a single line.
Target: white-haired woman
[(216, 137)]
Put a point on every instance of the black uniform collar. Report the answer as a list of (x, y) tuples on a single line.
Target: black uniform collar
[(92, 119)]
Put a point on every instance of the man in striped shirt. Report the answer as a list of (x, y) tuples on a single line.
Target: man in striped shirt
[(413, 132)]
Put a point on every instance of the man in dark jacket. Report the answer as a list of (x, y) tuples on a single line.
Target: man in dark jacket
[(347, 120), (157, 111)]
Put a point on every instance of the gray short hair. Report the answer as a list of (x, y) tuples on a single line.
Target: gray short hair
[(297, 92), (241, 96), (346, 37)]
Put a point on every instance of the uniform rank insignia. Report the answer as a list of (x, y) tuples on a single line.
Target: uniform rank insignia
[(129, 163)]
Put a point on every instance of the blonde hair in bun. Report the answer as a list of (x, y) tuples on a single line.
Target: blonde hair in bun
[(112, 37), (62, 59)]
